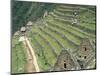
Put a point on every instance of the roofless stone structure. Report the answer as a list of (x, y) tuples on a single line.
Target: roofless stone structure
[(66, 61), (85, 53)]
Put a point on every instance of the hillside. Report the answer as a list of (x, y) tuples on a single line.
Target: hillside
[(55, 27)]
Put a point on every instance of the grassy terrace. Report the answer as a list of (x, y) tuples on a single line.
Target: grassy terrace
[(62, 14), (64, 27), (51, 32), (53, 42), (56, 33), (89, 26), (66, 34), (55, 39), (49, 44), (82, 28), (55, 47), (59, 37), (72, 7), (47, 48), (86, 25), (71, 10), (71, 28), (18, 56), (41, 58)]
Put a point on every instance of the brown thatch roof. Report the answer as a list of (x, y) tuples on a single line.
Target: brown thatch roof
[(65, 57)]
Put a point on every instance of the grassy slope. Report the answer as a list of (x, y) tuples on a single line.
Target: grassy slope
[(18, 57), (53, 28), (47, 40)]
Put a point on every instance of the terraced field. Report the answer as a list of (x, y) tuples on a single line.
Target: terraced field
[(56, 27), (57, 32)]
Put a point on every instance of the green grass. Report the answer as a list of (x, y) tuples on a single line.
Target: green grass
[(64, 13), (47, 50), (67, 34), (18, 58), (49, 35), (68, 27), (78, 27), (73, 34), (39, 54), (52, 41), (65, 42), (89, 26)]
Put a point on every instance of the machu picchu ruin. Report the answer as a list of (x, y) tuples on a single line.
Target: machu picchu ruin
[(50, 37)]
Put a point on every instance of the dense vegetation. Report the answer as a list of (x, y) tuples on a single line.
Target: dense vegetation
[(18, 56), (22, 12)]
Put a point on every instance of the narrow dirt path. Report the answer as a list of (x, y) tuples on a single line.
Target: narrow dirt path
[(29, 67), (32, 65)]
